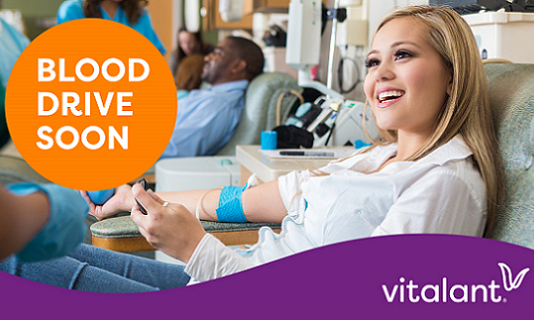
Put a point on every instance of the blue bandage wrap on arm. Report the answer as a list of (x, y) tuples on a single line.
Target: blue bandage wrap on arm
[(65, 228), (231, 205)]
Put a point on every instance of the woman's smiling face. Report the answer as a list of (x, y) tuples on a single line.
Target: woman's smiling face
[(407, 83)]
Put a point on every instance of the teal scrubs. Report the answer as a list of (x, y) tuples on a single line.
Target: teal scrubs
[(12, 43), (73, 9)]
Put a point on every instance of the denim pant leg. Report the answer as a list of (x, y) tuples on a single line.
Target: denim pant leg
[(150, 272), (69, 273)]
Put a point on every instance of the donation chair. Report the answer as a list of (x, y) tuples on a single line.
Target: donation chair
[(511, 96), (15, 169), (268, 101)]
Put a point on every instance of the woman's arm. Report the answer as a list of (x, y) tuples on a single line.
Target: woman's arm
[(21, 218), (261, 203), (172, 229), (144, 26), (68, 11)]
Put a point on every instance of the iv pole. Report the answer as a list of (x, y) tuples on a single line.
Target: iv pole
[(333, 37)]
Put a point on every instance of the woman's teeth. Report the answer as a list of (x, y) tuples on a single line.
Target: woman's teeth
[(390, 95)]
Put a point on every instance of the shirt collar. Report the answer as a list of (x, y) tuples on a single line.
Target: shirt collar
[(454, 149), (232, 85)]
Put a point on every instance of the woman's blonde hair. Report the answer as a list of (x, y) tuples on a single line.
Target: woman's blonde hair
[(466, 110)]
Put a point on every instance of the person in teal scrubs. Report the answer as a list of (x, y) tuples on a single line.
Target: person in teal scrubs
[(12, 43), (132, 13)]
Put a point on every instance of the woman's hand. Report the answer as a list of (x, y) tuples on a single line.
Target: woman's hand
[(172, 229), (123, 200)]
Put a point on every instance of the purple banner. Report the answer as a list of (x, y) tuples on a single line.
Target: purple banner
[(428, 276)]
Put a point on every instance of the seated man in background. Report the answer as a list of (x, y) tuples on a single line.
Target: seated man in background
[(207, 118)]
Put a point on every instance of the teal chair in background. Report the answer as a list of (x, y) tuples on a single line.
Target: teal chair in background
[(269, 96)]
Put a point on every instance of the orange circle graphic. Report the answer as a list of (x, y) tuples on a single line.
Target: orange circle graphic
[(91, 104)]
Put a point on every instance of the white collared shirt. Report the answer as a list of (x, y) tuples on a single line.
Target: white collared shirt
[(441, 193)]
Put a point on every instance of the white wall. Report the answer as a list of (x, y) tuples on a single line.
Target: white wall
[(380, 8)]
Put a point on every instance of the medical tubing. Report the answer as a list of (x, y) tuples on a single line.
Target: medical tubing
[(330, 133), (279, 103), (340, 75), (231, 205), (199, 203)]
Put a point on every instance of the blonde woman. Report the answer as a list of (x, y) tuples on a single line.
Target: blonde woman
[(434, 170)]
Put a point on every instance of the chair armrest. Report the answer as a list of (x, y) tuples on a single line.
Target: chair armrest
[(122, 234), (14, 169)]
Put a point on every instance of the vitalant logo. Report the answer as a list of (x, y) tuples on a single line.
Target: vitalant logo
[(457, 293)]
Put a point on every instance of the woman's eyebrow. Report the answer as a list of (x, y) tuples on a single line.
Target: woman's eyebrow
[(371, 52), (399, 43), (396, 44)]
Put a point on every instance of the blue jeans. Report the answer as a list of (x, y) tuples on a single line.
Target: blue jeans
[(94, 269)]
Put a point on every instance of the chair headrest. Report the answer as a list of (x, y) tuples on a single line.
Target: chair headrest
[(511, 97), (259, 112)]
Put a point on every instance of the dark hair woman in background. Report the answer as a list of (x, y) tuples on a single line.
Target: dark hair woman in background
[(188, 43)]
